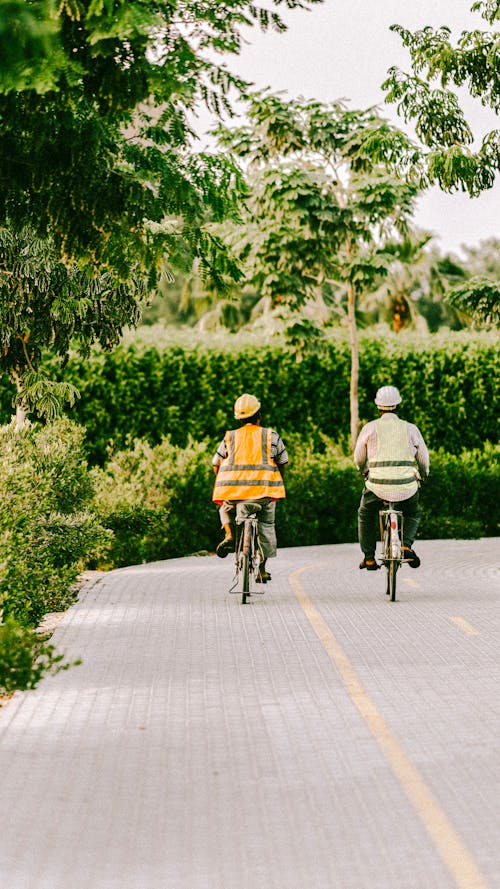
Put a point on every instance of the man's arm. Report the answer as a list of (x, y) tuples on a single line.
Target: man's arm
[(421, 452), (219, 456), (361, 451), (279, 453)]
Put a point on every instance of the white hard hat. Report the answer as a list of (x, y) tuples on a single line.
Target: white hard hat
[(246, 406), (388, 397)]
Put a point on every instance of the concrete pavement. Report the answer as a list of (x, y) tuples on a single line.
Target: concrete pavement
[(319, 737)]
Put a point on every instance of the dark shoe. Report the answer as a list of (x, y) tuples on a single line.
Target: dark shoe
[(225, 546), (263, 577), (369, 563), (410, 556)]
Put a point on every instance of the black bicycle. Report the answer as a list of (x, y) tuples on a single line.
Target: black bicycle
[(248, 557)]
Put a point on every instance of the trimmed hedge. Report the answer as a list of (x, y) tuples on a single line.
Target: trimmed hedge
[(157, 500), (449, 389)]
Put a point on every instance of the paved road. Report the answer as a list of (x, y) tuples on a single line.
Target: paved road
[(319, 737)]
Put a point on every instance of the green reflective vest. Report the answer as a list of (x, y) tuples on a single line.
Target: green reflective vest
[(391, 470)]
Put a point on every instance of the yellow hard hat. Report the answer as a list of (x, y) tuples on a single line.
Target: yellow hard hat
[(246, 406)]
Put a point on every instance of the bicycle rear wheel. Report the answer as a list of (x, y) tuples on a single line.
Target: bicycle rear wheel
[(245, 562), (245, 575), (392, 568)]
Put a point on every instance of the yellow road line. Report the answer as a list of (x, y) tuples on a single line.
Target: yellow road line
[(445, 838), (465, 626)]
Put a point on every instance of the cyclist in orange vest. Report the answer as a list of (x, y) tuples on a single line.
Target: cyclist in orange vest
[(250, 466), (388, 452)]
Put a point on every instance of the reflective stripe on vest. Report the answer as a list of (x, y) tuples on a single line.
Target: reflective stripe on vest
[(248, 472), (391, 469)]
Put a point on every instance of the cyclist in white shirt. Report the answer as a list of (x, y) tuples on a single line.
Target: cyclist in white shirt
[(391, 454)]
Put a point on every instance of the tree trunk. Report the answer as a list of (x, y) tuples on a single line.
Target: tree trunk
[(353, 336), (20, 412), (20, 417)]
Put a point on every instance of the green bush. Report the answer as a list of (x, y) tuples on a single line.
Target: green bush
[(46, 528), (323, 490), (25, 657), (462, 495), (139, 391), (157, 499)]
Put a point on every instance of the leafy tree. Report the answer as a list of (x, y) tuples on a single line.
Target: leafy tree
[(100, 188), (413, 293), (329, 198), (96, 144), (188, 300), (479, 296), (427, 97), (45, 305)]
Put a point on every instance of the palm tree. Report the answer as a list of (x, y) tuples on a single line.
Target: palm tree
[(413, 293)]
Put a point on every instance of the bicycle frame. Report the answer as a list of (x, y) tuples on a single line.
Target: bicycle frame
[(248, 555), (391, 533)]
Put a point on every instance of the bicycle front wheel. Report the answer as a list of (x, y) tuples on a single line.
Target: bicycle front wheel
[(245, 576), (392, 567)]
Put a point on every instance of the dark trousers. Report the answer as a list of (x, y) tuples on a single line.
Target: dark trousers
[(368, 525)]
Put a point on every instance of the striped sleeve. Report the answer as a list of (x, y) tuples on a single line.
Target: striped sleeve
[(220, 454), (421, 453), (278, 450)]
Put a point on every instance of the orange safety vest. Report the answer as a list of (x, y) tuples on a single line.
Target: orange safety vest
[(248, 472)]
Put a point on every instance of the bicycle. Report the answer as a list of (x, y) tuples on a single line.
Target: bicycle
[(248, 555), (391, 533)]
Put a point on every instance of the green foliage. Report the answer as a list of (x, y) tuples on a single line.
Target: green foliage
[(489, 9), (25, 658), (46, 528), (328, 193), (449, 392), (427, 97), (461, 496), (410, 293), (480, 298), (483, 259), (37, 393), (28, 40), (323, 489), (158, 499), (413, 293), (46, 305), (101, 93), (449, 387)]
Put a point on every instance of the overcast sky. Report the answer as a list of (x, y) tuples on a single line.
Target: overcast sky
[(343, 49)]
